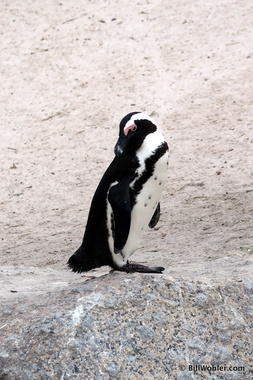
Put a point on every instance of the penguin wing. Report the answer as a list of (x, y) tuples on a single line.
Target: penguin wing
[(156, 216), (119, 199)]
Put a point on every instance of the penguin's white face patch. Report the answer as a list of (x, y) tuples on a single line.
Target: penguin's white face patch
[(140, 116), (134, 118)]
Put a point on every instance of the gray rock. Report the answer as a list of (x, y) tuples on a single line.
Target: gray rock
[(126, 327)]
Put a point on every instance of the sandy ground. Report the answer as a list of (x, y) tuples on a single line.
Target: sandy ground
[(69, 72)]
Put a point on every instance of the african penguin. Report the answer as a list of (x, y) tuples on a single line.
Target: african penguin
[(126, 200)]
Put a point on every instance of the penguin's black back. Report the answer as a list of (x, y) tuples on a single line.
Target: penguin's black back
[(94, 251)]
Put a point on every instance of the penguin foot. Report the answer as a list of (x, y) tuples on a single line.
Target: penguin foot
[(131, 268)]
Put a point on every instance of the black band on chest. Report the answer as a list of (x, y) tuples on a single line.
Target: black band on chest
[(148, 171)]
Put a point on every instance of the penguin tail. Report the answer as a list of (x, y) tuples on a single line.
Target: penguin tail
[(81, 262)]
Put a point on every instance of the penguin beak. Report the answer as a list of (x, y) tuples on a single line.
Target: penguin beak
[(120, 145)]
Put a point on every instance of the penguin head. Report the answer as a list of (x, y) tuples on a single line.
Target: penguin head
[(133, 129)]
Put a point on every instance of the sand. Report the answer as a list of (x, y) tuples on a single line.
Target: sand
[(69, 72)]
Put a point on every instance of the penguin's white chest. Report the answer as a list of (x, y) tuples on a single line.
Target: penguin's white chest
[(145, 205)]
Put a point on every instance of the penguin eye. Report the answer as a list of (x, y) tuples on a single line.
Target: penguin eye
[(134, 128)]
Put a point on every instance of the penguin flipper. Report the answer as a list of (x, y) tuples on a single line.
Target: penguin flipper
[(119, 199), (156, 216)]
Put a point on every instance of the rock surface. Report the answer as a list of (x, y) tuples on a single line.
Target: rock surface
[(130, 327)]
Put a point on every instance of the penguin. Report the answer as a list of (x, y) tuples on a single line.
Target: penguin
[(127, 199)]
